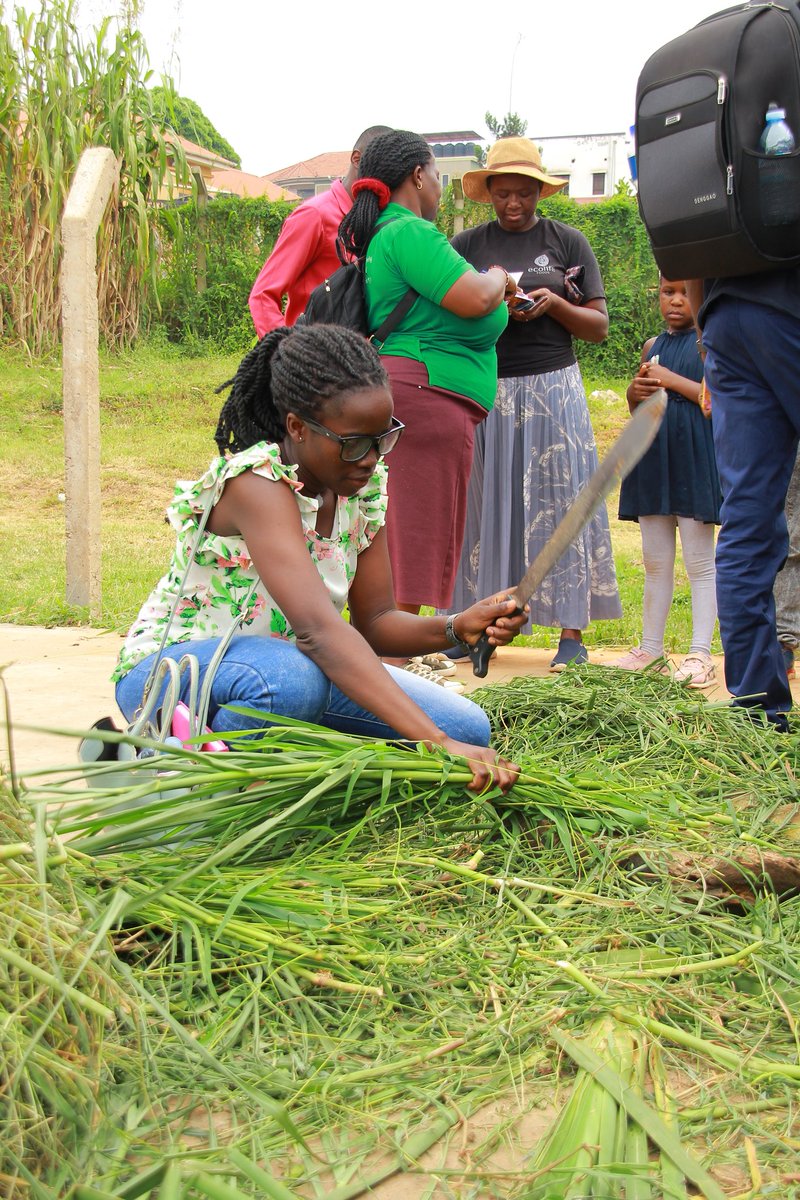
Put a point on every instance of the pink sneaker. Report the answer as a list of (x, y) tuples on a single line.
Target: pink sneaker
[(696, 671), (637, 659)]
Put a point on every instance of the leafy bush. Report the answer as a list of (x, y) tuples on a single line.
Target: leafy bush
[(236, 235), (233, 237)]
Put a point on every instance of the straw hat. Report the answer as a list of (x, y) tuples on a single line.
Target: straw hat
[(510, 156)]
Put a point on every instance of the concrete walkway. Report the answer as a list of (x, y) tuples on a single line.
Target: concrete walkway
[(60, 678)]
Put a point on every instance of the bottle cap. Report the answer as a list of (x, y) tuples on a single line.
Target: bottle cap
[(776, 114)]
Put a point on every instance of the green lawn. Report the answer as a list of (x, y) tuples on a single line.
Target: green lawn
[(158, 415)]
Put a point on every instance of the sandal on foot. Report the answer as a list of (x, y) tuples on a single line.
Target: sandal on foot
[(638, 659), (570, 650), (696, 671)]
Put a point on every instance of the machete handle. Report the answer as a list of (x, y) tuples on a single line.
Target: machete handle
[(483, 650), (480, 654)]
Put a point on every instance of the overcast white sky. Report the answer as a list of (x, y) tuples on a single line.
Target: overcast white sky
[(283, 80)]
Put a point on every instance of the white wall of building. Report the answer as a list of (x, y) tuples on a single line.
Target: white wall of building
[(593, 162)]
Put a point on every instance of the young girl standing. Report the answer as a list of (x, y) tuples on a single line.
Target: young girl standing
[(675, 486)]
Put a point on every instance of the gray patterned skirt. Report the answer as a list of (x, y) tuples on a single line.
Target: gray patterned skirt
[(533, 453)]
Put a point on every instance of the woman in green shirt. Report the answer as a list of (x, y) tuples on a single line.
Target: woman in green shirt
[(440, 360)]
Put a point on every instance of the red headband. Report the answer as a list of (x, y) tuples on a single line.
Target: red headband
[(376, 186)]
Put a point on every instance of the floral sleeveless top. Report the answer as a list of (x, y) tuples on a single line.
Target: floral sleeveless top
[(222, 572)]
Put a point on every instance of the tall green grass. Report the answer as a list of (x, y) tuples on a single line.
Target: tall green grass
[(61, 92)]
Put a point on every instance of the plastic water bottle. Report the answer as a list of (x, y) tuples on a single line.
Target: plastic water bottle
[(777, 188), (777, 137)]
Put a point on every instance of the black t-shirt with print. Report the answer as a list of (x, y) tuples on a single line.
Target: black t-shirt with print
[(543, 254)]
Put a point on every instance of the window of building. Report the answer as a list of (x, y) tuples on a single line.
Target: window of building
[(598, 183), (445, 180), (565, 189)]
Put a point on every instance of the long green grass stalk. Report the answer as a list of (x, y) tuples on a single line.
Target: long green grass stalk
[(620, 1087), (751, 1065), (58, 1009), (312, 780)]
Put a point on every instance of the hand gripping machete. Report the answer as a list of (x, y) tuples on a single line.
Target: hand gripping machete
[(637, 436)]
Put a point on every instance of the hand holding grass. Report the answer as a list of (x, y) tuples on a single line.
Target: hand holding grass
[(488, 768)]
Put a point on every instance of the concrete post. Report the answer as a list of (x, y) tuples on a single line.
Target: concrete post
[(458, 202), (95, 178)]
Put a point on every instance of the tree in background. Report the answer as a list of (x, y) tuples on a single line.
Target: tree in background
[(511, 125), (188, 119), (60, 94)]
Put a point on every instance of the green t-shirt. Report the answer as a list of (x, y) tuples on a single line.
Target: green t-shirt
[(458, 351)]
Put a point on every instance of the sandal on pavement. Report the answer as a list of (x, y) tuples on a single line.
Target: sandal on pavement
[(696, 671), (788, 659), (638, 659), (570, 650), (438, 662), (415, 667)]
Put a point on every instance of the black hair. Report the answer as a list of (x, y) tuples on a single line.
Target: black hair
[(369, 135), (293, 370), (391, 158)]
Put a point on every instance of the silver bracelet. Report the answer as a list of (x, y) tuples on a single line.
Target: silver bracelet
[(450, 631)]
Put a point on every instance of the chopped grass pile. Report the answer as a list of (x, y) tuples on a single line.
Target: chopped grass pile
[(334, 957)]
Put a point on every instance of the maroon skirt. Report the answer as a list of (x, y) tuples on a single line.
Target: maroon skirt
[(429, 472)]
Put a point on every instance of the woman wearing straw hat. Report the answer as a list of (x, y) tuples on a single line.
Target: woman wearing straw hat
[(537, 447)]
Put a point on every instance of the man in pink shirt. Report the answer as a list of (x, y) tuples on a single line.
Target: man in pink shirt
[(305, 252)]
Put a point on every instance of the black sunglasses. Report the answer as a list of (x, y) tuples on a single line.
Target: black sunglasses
[(355, 446)]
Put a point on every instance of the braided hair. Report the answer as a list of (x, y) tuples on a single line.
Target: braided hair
[(293, 370), (390, 158)]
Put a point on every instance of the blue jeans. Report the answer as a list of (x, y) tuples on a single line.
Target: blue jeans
[(753, 373), (273, 676)]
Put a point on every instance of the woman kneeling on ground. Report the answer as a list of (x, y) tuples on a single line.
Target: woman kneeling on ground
[(299, 504)]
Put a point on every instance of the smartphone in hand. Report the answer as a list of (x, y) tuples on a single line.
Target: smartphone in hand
[(525, 305)]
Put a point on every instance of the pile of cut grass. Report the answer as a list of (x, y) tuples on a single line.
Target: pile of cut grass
[(340, 957)]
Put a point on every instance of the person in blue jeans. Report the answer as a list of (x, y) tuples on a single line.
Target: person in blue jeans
[(296, 530), (751, 337)]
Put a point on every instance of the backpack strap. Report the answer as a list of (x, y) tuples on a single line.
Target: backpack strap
[(394, 318)]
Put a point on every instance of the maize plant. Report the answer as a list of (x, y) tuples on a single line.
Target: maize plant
[(59, 94)]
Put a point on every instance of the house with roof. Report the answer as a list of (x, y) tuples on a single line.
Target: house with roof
[(218, 176), (311, 176), (454, 153), (591, 163)]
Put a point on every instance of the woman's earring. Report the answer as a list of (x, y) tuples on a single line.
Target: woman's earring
[(419, 187)]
